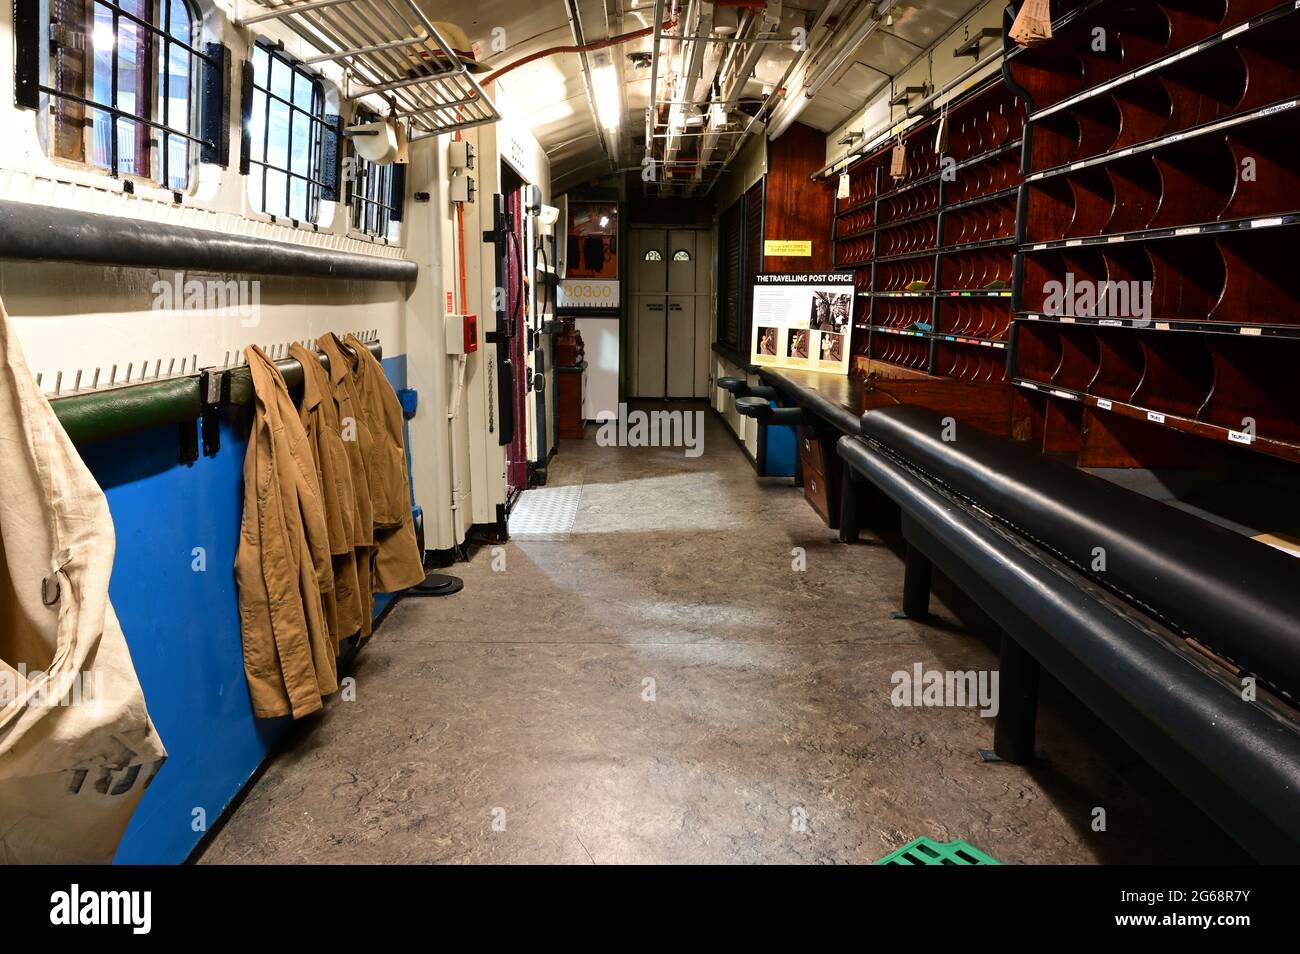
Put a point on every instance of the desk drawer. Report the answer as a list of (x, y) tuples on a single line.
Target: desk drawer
[(810, 450), (816, 492)]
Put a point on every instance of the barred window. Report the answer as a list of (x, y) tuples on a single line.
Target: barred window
[(124, 75), (374, 190), (285, 127)]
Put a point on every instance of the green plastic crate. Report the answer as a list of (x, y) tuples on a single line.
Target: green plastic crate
[(923, 851)]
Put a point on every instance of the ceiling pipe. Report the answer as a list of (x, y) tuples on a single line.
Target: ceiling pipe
[(575, 27), (763, 28), (794, 106), (591, 47), (699, 23), (754, 120), (652, 109)]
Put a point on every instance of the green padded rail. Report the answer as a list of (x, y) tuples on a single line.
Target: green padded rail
[(116, 412)]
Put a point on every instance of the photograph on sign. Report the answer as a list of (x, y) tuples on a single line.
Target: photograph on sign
[(803, 321)]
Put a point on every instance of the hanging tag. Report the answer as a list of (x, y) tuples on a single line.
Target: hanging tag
[(898, 160), (842, 190), (941, 133), (1033, 23)]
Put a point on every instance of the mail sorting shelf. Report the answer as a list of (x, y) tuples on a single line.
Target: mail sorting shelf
[(932, 250), (1161, 194)]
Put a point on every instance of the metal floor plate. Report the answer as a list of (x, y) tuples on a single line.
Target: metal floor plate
[(545, 513)]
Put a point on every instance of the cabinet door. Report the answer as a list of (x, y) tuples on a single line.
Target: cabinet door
[(651, 329), (681, 346)]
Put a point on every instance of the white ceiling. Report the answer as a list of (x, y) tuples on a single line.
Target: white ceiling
[(552, 93)]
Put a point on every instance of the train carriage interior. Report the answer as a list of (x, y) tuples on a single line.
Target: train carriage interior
[(650, 432)]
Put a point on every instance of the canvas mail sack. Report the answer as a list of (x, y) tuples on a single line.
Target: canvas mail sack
[(76, 745)]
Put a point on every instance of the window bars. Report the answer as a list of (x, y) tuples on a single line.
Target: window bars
[(134, 63), (388, 48), (286, 127), (373, 196)]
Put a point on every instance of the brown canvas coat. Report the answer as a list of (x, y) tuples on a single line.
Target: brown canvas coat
[(367, 403), (398, 560), (283, 565), (356, 442), (345, 605)]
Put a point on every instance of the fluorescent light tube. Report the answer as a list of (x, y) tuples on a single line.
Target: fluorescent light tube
[(604, 82)]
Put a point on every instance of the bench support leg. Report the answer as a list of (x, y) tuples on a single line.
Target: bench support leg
[(916, 585), (1013, 735), (850, 507)]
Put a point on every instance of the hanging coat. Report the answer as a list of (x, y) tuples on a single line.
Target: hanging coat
[(356, 443), (345, 605), (398, 560), (77, 747), (283, 565)]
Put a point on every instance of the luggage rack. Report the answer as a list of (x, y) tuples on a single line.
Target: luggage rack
[(388, 48)]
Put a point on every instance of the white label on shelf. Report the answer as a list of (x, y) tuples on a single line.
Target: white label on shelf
[(1122, 153), (1065, 394), (1035, 317), (1111, 322), (1104, 404), (1237, 29), (1156, 417), (1280, 107), (1067, 319), (1266, 223), (1241, 437), (1162, 326), (1250, 331), (1077, 165), (1190, 230), (1073, 242), (1115, 238)]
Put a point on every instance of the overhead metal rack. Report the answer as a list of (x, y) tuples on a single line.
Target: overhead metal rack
[(390, 49)]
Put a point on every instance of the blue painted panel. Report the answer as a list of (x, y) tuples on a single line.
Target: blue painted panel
[(782, 446), (182, 624)]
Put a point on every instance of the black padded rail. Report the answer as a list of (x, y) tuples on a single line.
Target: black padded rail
[(1239, 597), (811, 400), (44, 233), (1238, 760)]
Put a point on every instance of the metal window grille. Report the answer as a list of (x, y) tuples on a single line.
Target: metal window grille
[(373, 200), (286, 128), (92, 44)]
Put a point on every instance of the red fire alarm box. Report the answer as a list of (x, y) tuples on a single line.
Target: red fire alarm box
[(462, 334)]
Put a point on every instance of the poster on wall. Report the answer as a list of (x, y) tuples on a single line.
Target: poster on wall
[(803, 321), (591, 278)]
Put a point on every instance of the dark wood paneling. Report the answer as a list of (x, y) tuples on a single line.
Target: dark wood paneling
[(798, 208), (986, 406)]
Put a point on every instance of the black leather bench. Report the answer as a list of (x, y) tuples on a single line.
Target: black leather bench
[(1103, 587)]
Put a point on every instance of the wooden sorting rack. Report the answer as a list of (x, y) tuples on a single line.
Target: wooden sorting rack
[(1168, 162), (932, 251)]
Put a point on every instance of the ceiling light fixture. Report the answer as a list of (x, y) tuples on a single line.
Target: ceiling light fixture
[(604, 82)]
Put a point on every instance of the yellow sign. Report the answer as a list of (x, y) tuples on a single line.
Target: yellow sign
[(787, 247)]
